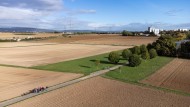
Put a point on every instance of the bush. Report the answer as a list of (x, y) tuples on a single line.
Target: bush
[(114, 57), (136, 50), (145, 55), (134, 60), (153, 53), (126, 54)]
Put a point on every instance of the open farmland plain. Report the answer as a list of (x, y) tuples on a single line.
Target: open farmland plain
[(25, 35), (175, 75), (16, 81), (103, 92), (103, 39), (33, 54)]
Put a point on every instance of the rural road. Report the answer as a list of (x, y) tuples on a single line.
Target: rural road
[(21, 98)]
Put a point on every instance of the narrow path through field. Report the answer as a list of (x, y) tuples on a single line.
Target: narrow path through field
[(21, 98)]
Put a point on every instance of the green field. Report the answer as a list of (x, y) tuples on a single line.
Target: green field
[(134, 74), (84, 65)]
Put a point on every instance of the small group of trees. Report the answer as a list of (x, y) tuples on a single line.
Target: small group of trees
[(133, 55), (126, 33), (184, 51), (165, 46)]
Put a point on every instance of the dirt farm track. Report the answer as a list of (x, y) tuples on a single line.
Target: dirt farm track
[(175, 75), (16, 81), (101, 92)]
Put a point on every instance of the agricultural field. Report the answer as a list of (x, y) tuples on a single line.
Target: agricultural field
[(16, 81), (103, 39), (175, 75), (34, 54), (25, 35), (103, 92)]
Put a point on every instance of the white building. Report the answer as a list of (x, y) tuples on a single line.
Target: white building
[(182, 30), (154, 30)]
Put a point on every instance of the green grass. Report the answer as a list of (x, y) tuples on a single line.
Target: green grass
[(84, 65), (136, 74)]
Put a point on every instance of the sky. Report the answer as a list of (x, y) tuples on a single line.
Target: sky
[(132, 15)]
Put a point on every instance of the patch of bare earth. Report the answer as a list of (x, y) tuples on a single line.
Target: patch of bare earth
[(16, 81), (175, 75), (101, 92), (32, 54)]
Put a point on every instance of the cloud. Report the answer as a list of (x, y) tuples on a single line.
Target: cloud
[(41, 5), (173, 12), (79, 11)]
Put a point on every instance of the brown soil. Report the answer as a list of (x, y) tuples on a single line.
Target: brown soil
[(25, 54), (101, 92), (104, 39), (175, 75), (16, 81)]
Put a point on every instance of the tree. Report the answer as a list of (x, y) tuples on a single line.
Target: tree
[(143, 49), (153, 53), (165, 46), (149, 46), (126, 54), (126, 33), (188, 35), (97, 63), (145, 55), (135, 50), (134, 60), (114, 57)]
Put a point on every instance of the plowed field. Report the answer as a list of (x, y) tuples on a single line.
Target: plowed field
[(175, 75), (101, 92), (106, 39)]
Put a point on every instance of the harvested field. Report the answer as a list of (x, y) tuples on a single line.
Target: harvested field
[(16, 35), (175, 75), (22, 44), (108, 39), (31, 55), (16, 81), (101, 92)]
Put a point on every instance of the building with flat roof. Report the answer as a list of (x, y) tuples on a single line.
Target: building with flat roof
[(154, 30)]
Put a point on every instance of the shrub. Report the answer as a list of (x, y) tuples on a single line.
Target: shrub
[(145, 55), (153, 53), (114, 57), (126, 54), (136, 50), (134, 60)]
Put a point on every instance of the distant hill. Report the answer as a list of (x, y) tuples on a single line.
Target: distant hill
[(28, 29)]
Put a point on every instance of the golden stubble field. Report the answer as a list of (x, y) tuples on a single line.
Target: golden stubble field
[(101, 92), (19, 35), (33, 54), (175, 75), (16, 81)]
